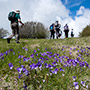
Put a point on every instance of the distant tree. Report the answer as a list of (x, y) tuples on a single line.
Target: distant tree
[(85, 32), (33, 30), (3, 33)]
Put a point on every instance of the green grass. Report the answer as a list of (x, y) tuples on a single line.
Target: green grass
[(9, 78)]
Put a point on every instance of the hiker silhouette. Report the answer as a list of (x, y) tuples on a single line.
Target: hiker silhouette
[(66, 30), (14, 18), (52, 30), (57, 29), (72, 34)]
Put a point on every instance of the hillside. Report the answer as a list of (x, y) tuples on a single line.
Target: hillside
[(44, 64)]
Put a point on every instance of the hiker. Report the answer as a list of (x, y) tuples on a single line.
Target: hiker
[(52, 30), (57, 28), (66, 30), (72, 35), (14, 18)]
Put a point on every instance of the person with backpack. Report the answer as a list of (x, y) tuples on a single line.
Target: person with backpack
[(52, 30), (66, 30), (57, 28), (14, 18), (72, 34)]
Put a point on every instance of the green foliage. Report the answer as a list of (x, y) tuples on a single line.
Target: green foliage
[(85, 32), (3, 33), (33, 30)]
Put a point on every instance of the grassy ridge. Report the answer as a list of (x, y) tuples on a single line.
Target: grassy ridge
[(71, 47)]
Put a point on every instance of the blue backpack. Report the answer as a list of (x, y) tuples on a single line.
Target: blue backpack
[(51, 27)]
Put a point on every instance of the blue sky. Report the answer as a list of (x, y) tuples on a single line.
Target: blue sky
[(74, 5)]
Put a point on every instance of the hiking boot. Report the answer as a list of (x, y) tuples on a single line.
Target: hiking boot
[(17, 42), (8, 40)]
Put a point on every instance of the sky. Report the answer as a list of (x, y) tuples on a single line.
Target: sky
[(76, 13)]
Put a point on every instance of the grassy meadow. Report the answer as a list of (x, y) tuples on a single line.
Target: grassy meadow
[(45, 64)]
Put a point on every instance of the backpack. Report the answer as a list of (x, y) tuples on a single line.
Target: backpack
[(57, 27), (65, 27), (11, 16), (51, 27)]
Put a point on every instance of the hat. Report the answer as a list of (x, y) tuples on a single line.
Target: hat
[(17, 11)]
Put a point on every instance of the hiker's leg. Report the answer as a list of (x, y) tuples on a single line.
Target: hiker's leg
[(53, 35), (67, 34), (17, 33), (13, 34), (10, 37), (56, 34)]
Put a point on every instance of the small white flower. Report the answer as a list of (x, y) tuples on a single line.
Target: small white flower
[(55, 72), (43, 80), (86, 86), (63, 75), (50, 74)]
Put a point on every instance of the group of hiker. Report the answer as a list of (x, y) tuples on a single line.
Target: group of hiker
[(55, 28), (14, 18)]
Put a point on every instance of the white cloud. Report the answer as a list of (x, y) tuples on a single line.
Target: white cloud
[(81, 20), (45, 11), (81, 11), (66, 1)]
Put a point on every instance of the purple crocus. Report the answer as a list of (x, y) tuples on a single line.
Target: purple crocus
[(10, 65)]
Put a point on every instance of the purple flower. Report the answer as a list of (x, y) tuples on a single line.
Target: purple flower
[(61, 69), (10, 65), (1, 54), (32, 66), (83, 83), (32, 56), (26, 59), (20, 56), (88, 48), (74, 78), (26, 72), (54, 62), (22, 66), (45, 48), (19, 70), (23, 48), (24, 85), (26, 49), (70, 53), (6, 53), (76, 85), (19, 76), (34, 51), (38, 49)]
